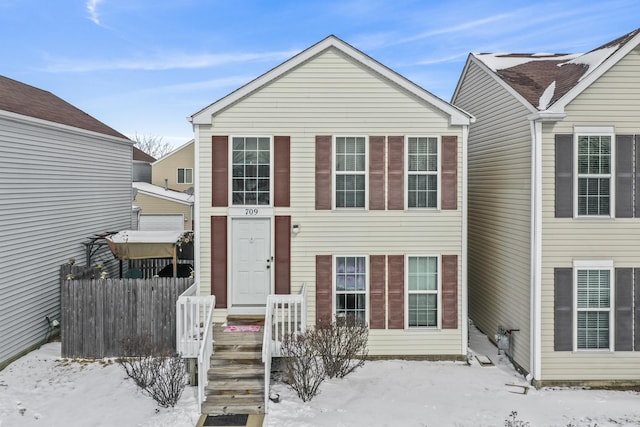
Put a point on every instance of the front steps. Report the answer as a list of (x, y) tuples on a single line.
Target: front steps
[(236, 376)]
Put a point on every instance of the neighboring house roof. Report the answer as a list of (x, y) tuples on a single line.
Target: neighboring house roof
[(156, 191), (140, 155), (457, 116), (546, 80), (30, 101), (182, 147)]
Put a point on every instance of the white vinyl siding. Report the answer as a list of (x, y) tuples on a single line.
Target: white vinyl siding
[(302, 104), (499, 210), (422, 181), (612, 100), (58, 186)]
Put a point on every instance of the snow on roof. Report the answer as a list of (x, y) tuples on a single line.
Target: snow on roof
[(501, 61), (141, 236), (155, 190), (547, 95), (592, 59)]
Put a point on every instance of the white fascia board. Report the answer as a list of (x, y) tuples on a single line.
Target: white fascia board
[(561, 103), (204, 116), (167, 198), (501, 82), (64, 128), (546, 116)]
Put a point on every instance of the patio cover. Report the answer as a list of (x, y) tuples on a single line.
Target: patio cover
[(136, 244)]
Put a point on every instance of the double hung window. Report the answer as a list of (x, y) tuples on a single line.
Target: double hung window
[(422, 291), (593, 307), (351, 288), (185, 176), (351, 171), (422, 172), (594, 175), (251, 171)]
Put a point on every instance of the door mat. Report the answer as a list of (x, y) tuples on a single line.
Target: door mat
[(226, 420), (242, 328)]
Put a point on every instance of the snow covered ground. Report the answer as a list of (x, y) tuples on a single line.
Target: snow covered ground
[(41, 389)]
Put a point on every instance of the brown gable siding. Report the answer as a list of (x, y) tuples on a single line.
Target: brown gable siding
[(377, 294), (220, 171), (376, 173), (281, 171), (449, 291), (396, 173), (323, 172), (396, 291), (219, 260), (324, 288), (282, 261), (449, 186)]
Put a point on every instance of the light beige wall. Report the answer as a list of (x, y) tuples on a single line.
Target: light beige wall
[(613, 100), (156, 205), (331, 95), (167, 168), (499, 210)]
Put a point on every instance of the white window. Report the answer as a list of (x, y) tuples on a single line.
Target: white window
[(422, 171), (593, 296), (351, 171), (185, 176), (251, 171), (423, 292), (594, 158), (351, 288)]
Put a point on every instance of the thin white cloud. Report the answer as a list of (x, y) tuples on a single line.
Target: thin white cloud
[(164, 61), (443, 59), (92, 8)]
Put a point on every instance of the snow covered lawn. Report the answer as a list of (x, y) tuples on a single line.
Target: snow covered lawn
[(41, 389)]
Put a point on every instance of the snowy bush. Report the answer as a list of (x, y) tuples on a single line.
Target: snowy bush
[(342, 345), (160, 374), (303, 365), (513, 421)]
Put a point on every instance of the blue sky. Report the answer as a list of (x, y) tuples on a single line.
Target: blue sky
[(143, 66)]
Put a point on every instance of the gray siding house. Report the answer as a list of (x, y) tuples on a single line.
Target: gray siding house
[(554, 209), (63, 177)]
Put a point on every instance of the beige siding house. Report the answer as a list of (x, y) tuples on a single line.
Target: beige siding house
[(333, 171), (554, 202), (166, 200)]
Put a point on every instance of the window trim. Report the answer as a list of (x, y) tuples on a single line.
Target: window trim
[(230, 171), (334, 287), (438, 292), (438, 173), (581, 265), (184, 173), (334, 173), (594, 131)]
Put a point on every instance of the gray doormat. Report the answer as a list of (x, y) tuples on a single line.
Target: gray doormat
[(226, 420)]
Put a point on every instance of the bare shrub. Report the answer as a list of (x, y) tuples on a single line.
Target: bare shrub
[(160, 374), (342, 345), (303, 366), (513, 421)]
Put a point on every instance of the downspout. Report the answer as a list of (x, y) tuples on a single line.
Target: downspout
[(535, 361), (196, 207), (465, 315)]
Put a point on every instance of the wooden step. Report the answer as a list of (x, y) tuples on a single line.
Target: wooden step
[(236, 386), (245, 319), (236, 371), (238, 355), (216, 409)]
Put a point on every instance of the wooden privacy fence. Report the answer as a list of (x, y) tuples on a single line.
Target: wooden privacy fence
[(98, 314)]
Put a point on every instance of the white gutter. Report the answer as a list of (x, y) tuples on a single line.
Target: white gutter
[(536, 249), (465, 315)]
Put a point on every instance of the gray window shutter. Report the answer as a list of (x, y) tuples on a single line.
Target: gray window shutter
[(624, 176), (624, 309), (564, 176), (636, 304), (563, 309)]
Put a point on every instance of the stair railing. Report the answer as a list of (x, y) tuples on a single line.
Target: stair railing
[(194, 338), (284, 315)]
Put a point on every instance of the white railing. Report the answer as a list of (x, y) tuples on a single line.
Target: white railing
[(284, 315), (194, 331)]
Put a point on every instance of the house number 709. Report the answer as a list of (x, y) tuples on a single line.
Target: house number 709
[(251, 211)]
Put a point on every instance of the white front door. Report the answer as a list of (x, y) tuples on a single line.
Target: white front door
[(251, 261)]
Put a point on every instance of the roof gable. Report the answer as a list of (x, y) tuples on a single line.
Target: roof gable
[(20, 98), (173, 152), (457, 116), (548, 82)]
